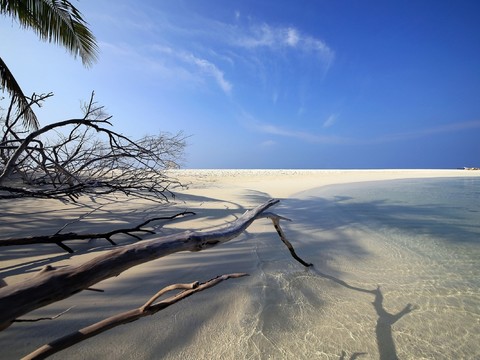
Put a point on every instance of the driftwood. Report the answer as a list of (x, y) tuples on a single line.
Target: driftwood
[(51, 285), (276, 224), (58, 239), (149, 308)]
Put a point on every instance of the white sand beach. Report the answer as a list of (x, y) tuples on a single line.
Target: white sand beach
[(282, 310)]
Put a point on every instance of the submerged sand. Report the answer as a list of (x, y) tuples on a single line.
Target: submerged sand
[(282, 311)]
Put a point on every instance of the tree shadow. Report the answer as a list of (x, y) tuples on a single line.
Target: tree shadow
[(31, 266), (383, 329), (327, 214), (356, 355), (385, 320), (416, 223), (28, 217), (420, 214)]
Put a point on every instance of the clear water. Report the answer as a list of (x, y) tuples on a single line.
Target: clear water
[(396, 276), (418, 243)]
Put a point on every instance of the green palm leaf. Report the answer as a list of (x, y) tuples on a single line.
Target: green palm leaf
[(7, 81), (56, 21)]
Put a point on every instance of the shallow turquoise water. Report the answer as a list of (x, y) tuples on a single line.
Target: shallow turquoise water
[(419, 242)]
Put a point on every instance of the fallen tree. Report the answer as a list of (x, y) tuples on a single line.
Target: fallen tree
[(51, 285)]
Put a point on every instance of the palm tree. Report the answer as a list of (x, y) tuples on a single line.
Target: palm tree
[(56, 21)]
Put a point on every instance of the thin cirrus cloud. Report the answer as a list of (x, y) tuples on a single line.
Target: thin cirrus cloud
[(268, 143), (332, 119), (233, 43), (264, 36), (451, 127), (250, 122), (275, 38), (174, 64), (322, 139), (200, 65), (209, 69), (300, 135)]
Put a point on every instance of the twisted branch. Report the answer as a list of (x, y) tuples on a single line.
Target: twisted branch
[(59, 238), (149, 308)]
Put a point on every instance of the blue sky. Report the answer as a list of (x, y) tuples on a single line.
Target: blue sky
[(275, 84)]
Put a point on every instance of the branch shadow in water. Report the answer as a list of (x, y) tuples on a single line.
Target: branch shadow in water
[(385, 320), (354, 356), (383, 329), (337, 208)]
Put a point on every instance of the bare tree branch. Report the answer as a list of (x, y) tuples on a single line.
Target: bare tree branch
[(276, 223), (70, 158), (59, 238), (149, 308), (46, 318)]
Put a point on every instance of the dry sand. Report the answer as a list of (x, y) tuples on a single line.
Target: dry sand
[(282, 311)]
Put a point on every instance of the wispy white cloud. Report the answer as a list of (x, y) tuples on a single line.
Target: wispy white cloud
[(210, 69), (201, 51), (203, 48), (204, 66), (292, 37), (445, 128), (332, 119), (268, 143), (275, 96), (267, 128), (301, 110), (275, 38), (253, 124), (292, 133), (172, 64)]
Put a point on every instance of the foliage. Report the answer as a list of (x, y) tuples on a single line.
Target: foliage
[(56, 21)]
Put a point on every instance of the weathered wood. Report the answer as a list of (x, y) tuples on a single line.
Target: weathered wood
[(149, 308), (51, 285), (58, 239), (276, 223)]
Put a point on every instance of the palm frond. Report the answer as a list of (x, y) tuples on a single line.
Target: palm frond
[(24, 110), (56, 21)]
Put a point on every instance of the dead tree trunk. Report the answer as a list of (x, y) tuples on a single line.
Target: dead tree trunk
[(51, 285)]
